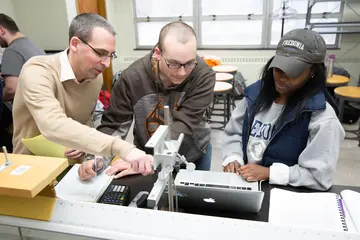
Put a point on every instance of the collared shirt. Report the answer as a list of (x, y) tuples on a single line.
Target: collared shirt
[(67, 72), (60, 110)]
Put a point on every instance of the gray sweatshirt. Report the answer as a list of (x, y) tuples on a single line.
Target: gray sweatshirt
[(317, 162)]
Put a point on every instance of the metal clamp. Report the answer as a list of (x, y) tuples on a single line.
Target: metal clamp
[(166, 159)]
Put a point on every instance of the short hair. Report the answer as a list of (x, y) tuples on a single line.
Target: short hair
[(181, 30), (83, 24), (8, 23)]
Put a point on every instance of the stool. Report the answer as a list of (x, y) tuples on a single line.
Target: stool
[(225, 69), (221, 77), (224, 77), (229, 69), (352, 94), (222, 90), (337, 81)]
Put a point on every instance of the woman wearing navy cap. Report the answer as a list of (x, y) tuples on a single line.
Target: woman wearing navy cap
[(285, 130)]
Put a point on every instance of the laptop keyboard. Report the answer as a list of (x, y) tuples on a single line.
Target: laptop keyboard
[(215, 186)]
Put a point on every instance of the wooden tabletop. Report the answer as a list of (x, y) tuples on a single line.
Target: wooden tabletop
[(225, 68), (338, 80), (222, 87), (224, 77), (29, 174), (348, 91)]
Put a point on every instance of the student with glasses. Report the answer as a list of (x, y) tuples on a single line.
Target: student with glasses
[(57, 94), (171, 74)]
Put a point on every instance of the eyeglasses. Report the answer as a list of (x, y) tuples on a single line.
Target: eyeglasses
[(103, 54), (188, 65)]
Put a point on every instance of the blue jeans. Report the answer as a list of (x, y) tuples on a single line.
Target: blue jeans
[(204, 163)]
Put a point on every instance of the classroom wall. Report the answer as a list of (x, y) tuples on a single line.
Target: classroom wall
[(6, 7), (44, 21), (249, 62), (47, 22)]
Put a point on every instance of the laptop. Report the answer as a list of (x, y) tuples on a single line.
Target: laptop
[(218, 190)]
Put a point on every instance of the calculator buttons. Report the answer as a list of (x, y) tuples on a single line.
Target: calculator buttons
[(116, 195)]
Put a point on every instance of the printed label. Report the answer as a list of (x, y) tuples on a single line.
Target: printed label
[(20, 170)]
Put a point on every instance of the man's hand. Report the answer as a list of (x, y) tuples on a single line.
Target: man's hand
[(140, 162), (254, 172), (74, 154), (86, 169), (122, 168), (233, 167)]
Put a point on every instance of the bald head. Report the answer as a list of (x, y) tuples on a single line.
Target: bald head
[(176, 53), (179, 31)]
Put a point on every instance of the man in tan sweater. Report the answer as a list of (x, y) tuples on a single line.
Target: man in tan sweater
[(57, 94)]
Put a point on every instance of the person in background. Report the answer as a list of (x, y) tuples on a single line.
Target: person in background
[(56, 97), (1, 99), (285, 130), (18, 50), (171, 74)]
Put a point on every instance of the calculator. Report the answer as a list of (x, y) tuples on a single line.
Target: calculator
[(116, 194)]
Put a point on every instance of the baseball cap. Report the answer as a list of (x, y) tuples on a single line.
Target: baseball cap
[(297, 50)]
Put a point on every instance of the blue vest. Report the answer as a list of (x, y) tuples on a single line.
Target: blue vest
[(290, 136)]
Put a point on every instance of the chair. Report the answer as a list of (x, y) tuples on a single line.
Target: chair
[(341, 77), (222, 91), (341, 72), (350, 94), (236, 87)]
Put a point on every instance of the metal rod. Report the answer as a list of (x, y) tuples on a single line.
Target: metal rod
[(7, 163), (6, 155), (181, 138), (340, 32), (20, 233), (167, 115), (156, 192), (341, 24), (170, 193), (176, 199), (167, 121), (282, 22), (315, 1)]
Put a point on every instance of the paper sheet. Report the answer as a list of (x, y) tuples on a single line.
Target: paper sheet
[(352, 201), (40, 146), (72, 188), (309, 210)]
